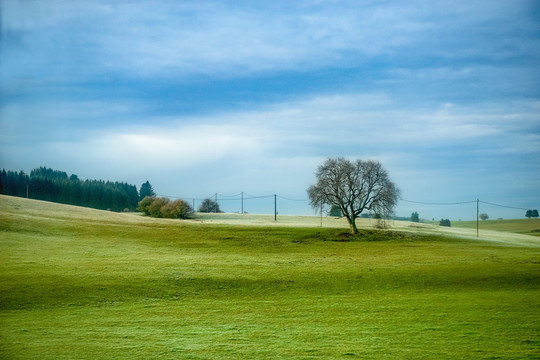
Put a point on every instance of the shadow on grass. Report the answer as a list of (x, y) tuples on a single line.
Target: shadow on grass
[(345, 236)]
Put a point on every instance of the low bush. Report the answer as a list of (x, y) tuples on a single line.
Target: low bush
[(145, 203), (164, 208), (178, 209), (445, 222)]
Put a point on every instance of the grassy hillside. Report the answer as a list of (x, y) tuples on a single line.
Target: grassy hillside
[(519, 226), (89, 284)]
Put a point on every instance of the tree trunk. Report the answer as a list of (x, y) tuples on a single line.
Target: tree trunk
[(352, 225)]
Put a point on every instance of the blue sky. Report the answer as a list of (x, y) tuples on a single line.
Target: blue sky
[(200, 97)]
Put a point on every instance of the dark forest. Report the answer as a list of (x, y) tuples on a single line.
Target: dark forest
[(56, 186)]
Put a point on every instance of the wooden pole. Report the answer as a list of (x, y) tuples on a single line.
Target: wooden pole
[(275, 207), (477, 211)]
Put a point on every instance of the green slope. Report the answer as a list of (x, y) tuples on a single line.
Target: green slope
[(88, 284)]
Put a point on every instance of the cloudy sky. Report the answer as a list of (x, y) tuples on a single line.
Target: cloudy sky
[(200, 97)]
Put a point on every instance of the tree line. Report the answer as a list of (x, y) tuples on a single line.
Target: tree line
[(56, 186)]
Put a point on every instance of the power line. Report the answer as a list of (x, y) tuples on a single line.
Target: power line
[(256, 197), (284, 198), (464, 202), (229, 196), (176, 197), (245, 196), (235, 199), (185, 197), (504, 206), (443, 204)]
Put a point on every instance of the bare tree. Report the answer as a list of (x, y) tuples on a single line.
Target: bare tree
[(353, 187), (209, 206)]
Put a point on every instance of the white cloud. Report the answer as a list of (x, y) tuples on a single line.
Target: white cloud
[(158, 149), (374, 120), (348, 124)]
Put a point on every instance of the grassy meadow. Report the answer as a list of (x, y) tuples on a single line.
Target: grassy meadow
[(519, 226), (78, 283)]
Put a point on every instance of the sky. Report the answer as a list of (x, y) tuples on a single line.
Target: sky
[(206, 97)]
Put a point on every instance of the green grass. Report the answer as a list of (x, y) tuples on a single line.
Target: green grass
[(86, 284), (519, 226)]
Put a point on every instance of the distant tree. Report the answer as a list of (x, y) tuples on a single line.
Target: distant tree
[(145, 203), (3, 176), (415, 217), (335, 211), (14, 183), (177, 209), (209, 206), (353, 186), (483, 216), (146, 190), (532, 213), (133, 195), (164, 208), (154, 209), (445, 222), (381, 221), (55, 186), (48, 173)]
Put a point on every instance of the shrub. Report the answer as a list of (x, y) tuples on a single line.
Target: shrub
[(164, 208), (145, 203), (178, 209), (155, 207), (445, 222)]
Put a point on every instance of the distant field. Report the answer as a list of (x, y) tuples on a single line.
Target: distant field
[(78, 283), (516, 232), (519, 226)]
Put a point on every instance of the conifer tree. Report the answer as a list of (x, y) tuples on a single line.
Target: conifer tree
[(146, 190)]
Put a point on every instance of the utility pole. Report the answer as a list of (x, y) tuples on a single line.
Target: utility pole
[(215, 205), (477, 211), (27, 190), (242, 202), (275, 207)]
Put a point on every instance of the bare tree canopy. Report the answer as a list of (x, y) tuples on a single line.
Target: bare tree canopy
[(353, 186), (209, 206)]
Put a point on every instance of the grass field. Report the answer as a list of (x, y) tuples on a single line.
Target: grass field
[(519, 226), (86, 284)]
